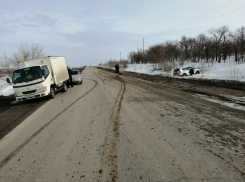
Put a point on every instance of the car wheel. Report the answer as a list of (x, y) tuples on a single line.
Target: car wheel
[(184, 74), (64, 89), (197, 72), (52, 93)]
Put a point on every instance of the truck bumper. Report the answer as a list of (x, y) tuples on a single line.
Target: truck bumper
[(32, 96)]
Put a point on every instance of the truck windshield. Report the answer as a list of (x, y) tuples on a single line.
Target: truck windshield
[(27, 74)]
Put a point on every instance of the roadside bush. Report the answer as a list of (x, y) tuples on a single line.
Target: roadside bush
[(167, 67), (124, 63), (154, 67), (112, 63)]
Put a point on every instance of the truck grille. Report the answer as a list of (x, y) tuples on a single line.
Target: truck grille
[(29, 92)]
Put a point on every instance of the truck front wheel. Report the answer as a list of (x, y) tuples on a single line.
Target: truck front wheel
[(52, 93)]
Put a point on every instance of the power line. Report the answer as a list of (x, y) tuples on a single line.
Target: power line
[(191, 21), (202, 22), (197, 18), (138, 43)]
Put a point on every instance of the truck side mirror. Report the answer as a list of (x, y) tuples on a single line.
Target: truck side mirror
[(8, 80), (43, 72)]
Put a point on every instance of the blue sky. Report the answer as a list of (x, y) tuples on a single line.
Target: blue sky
[(93, 31)]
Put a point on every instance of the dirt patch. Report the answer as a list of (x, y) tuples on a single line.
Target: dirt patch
[(12, 114), (5, 102)]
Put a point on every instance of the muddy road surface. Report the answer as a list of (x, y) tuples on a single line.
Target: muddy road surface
[(12, 113), (125, 128)]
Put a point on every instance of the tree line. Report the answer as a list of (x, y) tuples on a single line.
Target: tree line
[(219, 44)]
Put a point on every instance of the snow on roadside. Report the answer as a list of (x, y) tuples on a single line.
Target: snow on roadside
[(5, 88), (223, 71), (143, 68)]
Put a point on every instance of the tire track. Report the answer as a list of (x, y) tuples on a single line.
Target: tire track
[(220, 132), (99, 77), (108, 167), (9, 157)]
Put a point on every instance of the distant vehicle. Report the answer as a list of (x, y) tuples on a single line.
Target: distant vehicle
[(176, 72), (40, 77), (76, 76), (185, 71)]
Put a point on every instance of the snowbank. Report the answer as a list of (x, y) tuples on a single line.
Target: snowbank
[(144, 68), (223, 71), (5, 88), (7, 91)]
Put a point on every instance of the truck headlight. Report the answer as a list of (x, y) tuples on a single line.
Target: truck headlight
[(42, 89)]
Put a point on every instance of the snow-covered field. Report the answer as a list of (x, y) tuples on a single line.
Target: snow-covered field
[(225, 71)]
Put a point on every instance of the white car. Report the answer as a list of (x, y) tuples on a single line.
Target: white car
[(186, 71), (76, 76)]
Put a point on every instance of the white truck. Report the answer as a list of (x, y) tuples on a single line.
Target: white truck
[(40, 77)]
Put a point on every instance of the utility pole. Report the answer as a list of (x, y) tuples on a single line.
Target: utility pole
[(120, 55), (143, 50), (143, 46)]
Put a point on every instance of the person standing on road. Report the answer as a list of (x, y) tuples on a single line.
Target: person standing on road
[(70, 84), (117, 68)]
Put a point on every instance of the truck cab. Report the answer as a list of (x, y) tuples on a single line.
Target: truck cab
[(31, 82)]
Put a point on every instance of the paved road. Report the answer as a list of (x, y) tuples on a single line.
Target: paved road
[(120, 128)]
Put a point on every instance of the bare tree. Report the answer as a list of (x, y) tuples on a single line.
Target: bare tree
[(172, 50), (241, 36), (219, 35), (16, 59), (156, 54), (200, 45), (131, 57), (209, 50), (193, 51), (36, 51), (136, 57), (26, 52), (176, 50), (6, 63), (235, 44), (186, 45)]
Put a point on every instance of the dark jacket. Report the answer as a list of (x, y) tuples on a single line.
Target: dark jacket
[(70, 73)]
